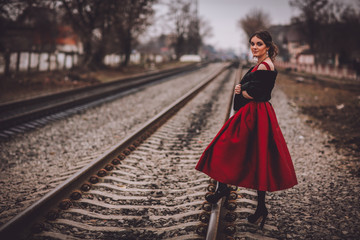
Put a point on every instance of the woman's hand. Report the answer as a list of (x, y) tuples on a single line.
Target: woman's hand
[(238, 89)]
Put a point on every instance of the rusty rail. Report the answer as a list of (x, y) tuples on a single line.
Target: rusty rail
[(214, 228), (30, 219)]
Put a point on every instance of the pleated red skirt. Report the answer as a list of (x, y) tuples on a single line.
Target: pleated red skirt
[(250, 151)]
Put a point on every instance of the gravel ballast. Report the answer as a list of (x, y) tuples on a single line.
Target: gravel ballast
[(324, 205), (161, 194), (31, 161)]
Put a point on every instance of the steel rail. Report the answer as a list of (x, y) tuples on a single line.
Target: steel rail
[(214, 225), (18, 112), (20, 226)]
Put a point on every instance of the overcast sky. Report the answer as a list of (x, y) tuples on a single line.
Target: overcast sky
[(223, 16)]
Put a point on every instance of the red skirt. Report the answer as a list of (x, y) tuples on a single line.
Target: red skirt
[(250, 151)]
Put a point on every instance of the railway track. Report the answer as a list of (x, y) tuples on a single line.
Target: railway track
[(146, 187), (227, 220), (121, 186), (16, 117)]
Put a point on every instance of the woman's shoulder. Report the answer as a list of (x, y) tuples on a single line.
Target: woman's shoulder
[(266, 65), (264, 75)]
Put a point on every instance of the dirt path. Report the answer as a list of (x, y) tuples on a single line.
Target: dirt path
[(333, 108)]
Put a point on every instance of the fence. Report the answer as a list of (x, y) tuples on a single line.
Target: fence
[(36, 62), (319, 69), (115, 59)]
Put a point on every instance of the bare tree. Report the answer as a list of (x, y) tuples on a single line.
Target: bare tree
[(329, 29), (86, 18), (26, 25), (188, 29), (130, 20), (255, 20), (205, 29), (179, 13), (5, 19), (9, 12), (114, 23), (10, 9), (309, 21), (193, 37)]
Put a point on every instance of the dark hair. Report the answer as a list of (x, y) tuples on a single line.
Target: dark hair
[(267, 39)]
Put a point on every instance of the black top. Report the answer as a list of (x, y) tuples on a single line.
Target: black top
[(258, 85)]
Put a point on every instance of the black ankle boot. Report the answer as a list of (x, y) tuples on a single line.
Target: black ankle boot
[(261, 212), (221, 191), (259, 215)]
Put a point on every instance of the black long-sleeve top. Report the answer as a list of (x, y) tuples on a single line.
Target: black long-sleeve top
[(257, 84)]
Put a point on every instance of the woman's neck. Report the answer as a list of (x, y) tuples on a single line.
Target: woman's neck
[(261, 59)]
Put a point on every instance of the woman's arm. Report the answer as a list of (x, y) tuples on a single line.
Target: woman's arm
[(246, 95)]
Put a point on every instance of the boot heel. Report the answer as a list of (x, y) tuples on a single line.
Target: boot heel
[(258, 217), (227, 196), (263, 222), (219, 193)]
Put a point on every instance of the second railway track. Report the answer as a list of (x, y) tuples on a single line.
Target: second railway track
[(154, 193), (15, 116)]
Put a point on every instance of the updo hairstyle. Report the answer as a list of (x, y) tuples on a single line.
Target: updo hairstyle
[(267, 39)]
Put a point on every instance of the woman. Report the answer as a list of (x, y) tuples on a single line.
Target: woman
[(250, 150)]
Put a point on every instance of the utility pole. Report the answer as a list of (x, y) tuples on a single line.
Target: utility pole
[(197, 20), (196, 8)]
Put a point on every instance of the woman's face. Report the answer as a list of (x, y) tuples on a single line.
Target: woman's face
[(258, 47)]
